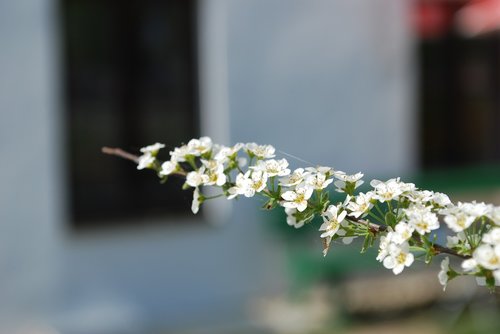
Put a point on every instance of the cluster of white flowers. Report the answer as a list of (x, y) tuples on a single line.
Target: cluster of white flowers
[(486, 257), (148, 158), (404, 218)]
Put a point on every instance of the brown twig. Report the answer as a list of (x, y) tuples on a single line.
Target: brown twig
[(120, 153), (440, 249), (374, 228)]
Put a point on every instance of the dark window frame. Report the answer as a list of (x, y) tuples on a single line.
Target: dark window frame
[(120, 193)]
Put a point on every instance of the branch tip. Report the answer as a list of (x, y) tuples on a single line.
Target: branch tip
[(120, 153)]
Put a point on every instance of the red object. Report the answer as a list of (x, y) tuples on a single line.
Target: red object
[(479, 16), (432, 19), (435, 18)]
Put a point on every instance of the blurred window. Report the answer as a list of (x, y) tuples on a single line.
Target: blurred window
[(130, 80), (459, 96)]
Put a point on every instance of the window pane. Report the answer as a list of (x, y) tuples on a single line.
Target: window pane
[(130, 81), (459, 100)]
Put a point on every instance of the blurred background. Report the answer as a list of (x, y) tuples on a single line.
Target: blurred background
[(89, 245)]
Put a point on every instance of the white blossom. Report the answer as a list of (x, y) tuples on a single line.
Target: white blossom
[(146, 161), (318, 181), (492, 237), (259, 181), (291, 219), (344, 179), (167, 168), (441, 199), (399, 257), (293, 179), (383, 249), (179, 154), (197, 178), (456, 240), (260, 151), (402, 233), (152, 149), (443, 273), (488, 256), (215, 173), (224, 153), (473, 209), (420, 196), (320, 170), (248, 184), (272, 167), (332, 220), (458, 221), (243, 186), (494, 214), (422, 219), (387, 191), (197, 200), (469, 265), (361, 205), (297, 198), (200, 146), (461, 216), (406, 187)]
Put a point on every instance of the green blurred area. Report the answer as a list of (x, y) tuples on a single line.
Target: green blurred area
[(461, 179)]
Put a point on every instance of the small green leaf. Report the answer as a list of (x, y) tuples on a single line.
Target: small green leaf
[(428, 256), (426, 243), (390, 219), (452, 274), (490, 282), (349, 188), (367, 243), (417, 249)]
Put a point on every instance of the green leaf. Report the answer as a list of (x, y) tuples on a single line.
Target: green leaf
[(452, 274), (426, 243), (278, 192), (490, 282), (417, 249), (428, 256), (349, 188), (369, 239), (390, 219)]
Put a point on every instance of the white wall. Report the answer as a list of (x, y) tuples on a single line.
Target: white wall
[(329, 81), (30, 185), (324, 80)]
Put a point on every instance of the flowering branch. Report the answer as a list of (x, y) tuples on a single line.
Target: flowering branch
[(405, 219)]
